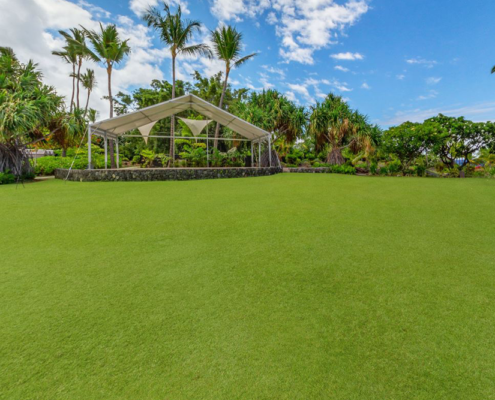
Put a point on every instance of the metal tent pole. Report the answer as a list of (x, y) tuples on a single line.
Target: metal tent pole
[(270, 149), (118, 157), (252, 154), (106, 151), (259, 154), (207, 148), (89, 147)]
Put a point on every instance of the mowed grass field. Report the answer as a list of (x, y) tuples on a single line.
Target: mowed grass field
[(285, 287)]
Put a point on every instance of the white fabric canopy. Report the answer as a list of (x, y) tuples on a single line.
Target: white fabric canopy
[(195, 125), (118, 126), (146, 129)]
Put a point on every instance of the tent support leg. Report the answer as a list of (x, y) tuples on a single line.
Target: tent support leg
[(106, 151), (252, 154), (118, 156), (207, 150), (259, 154), (270, 149), (89, 147)]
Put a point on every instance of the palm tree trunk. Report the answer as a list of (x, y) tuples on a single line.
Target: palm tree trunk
[(87, 103), (78, 80), (73, 86), (110, 98), (220, 105), (335, 157), (172, 118)]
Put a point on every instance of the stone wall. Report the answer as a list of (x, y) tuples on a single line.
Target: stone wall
[(162, 174), (308, 170)]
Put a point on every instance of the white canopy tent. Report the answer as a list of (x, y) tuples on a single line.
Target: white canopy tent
[(144, 120)]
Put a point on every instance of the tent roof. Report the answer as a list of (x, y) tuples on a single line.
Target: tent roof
[(118, 126)]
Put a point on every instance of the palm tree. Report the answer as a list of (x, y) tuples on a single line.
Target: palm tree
[(111, 50), (176, 33), (227, 45), (88, 81), (69, 55), (77, 41)]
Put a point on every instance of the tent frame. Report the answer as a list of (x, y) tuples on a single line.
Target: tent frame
[(112, 128)]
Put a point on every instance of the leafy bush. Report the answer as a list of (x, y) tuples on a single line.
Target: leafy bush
[(394, 167), (343, 169), (383, 170), (47, 165), (374, 168), (6, 177)]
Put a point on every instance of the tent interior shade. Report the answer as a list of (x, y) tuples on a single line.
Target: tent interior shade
[(118, 126), (195, 125)]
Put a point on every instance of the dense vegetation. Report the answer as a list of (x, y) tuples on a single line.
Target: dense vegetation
[(328, 134)]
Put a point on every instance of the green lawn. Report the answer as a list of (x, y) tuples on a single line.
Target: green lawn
[(294, 286)]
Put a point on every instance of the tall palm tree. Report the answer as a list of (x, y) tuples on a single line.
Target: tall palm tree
[(177, 34), (110, 49), (68, 54), (76, 39), (88, 81), (227, 45)]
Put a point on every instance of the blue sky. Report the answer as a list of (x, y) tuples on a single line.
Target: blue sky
[(393, 60)]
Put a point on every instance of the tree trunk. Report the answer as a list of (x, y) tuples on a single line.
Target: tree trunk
[(172, 118), (73, 86), (87, 103), (220, 105), (110, 98), (335, 157), (78, 80)]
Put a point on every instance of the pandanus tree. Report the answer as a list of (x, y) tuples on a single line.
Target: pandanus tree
[(110, 49), (227, 46), (334, 124), (177, 33), (88, 81), (26, 105)]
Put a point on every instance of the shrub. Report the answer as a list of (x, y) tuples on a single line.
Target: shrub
[(394, 167), (6, 177), (374, 168), (343, 169), (383, 170)]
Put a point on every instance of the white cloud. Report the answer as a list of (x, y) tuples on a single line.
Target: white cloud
[(273, 70), (400, 77), (140, 6), (422, 61), (303, 26), (291, 96), (477, 112), (28, 27), (431, 95), (433, 81), (347, 56), (341, 68), (365, 86)]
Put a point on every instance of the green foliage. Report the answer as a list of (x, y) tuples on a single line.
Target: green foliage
[(407, 142), (47, 165), (343, 169), (6, 177), (394, 167)]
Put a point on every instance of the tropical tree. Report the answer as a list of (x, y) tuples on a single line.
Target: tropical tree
[(334, 124), (69, 55), (176, 33), (76, 41), (457, 139), (407, 142), (109, 49), (67, 129), (88, 81), (227, 46), (26, 105)]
